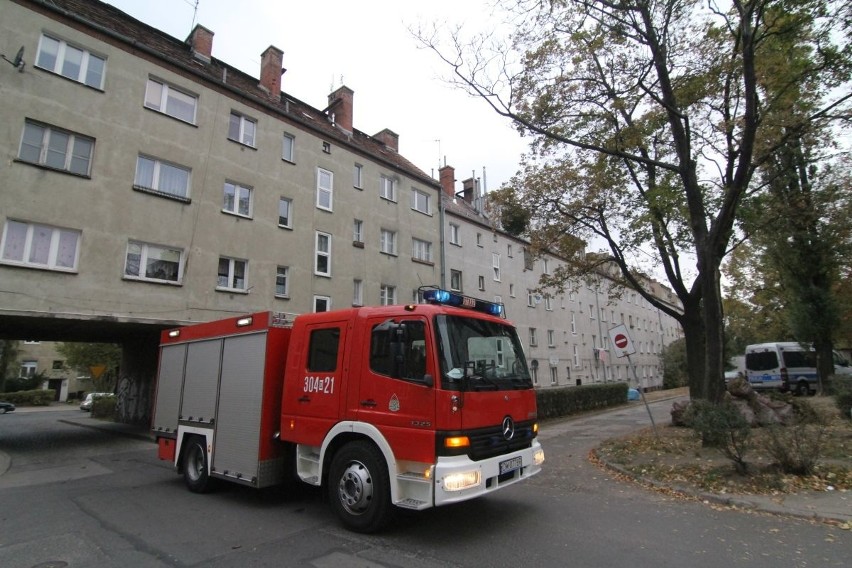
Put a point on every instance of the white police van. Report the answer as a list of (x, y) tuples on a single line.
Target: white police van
[(786, 366)]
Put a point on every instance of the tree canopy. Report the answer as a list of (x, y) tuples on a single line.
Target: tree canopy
[(649, 121)]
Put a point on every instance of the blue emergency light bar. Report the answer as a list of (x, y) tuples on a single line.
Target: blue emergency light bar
[(446, 298)]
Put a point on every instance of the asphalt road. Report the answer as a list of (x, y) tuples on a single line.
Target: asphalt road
[(76, 496)]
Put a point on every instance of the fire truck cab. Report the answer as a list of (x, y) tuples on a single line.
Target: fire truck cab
[(400, 406)]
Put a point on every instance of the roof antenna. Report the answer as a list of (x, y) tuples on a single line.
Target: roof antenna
[(194, 14)]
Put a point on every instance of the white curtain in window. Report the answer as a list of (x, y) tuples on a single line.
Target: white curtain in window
[(16, 240)]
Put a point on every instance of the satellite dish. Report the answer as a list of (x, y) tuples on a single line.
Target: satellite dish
[(18, 62), (19, 58)]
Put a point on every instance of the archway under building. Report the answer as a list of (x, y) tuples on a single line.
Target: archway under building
[(139, 351)]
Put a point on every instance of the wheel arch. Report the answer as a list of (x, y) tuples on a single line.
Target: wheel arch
[(346, 432)]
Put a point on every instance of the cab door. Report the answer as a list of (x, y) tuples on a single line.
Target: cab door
[(315, 384), (396, 392)]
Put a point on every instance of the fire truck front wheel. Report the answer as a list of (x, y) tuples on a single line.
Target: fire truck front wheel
[(359, 487), (196, 474)]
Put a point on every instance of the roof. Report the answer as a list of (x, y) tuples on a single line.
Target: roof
[(118, 28)]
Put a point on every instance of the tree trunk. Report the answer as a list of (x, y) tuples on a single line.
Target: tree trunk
[(714, 335), (693, 335)]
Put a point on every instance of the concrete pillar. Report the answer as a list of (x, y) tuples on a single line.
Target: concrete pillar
[(137, 380)]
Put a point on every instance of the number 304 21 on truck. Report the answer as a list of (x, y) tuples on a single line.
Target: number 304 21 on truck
[(408, 406)]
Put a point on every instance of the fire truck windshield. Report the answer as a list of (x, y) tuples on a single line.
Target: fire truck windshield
[(479, 354)]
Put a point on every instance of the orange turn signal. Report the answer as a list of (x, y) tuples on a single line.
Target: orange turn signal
[(457, 442)]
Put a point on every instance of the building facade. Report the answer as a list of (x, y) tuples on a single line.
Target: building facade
[(566, 335), (146, 184), (146, 181)]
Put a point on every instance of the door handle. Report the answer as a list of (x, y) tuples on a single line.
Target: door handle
[(369, 402), (305, 398)]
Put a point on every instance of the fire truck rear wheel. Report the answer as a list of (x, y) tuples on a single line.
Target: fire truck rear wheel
[(358, 487), (196, 474)]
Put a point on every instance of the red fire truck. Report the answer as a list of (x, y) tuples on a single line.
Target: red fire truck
[(400, 406)]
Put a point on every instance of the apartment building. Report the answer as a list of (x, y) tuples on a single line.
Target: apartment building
[(566, 335), (147, 182)]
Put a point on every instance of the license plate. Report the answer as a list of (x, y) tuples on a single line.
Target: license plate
[(510, 465)]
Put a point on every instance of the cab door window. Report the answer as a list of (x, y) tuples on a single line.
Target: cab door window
[(399, 349), (323, 350)]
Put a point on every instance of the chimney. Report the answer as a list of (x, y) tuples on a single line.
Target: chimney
[(271, 71), (340, 104), (468, 186), (389, 138), (201, 43), (447, 176)]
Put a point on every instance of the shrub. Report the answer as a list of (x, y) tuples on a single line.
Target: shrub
[(104, 407), (840, 388), (39, 397), (722, 426), (553, 403), (797, 448)]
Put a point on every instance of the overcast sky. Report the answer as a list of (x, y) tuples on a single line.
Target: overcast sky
[(365, 45)]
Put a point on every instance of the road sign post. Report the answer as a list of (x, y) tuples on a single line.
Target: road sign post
[(623, 346)]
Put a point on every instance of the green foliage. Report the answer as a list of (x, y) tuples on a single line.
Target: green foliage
[(84, 356), (840, 387), (15, 384), (553, 403), (40, 397), (675, 370), (104, 407), (8, 355), (722, 426)]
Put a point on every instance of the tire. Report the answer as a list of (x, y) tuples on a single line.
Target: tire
[(802, 388), (196, 473), (358, 487)]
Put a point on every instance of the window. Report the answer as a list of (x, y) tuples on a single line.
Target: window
[(481, 283), (323, 348), (603, 314), (529, 261), (288, 151), (40, 246), (573, 323), (155, 263), (545, 266), (325, 181), (167, 99), (387, 242), (551, 338), (421, 201), (387, 188), (387, 295), (548, 303), (322, 264), (454, 234), (233, 274), (455, 280), (285, 213), (530, 298), (591, 311), (421, 250), (495, 265), (72, 62), (576, 357), (163, 178), (28, 369), (358, 231), (58, 149), (243, 129), (511, 290), (358, 176), (357, 292), (554, 375), (479, 239), (509, 251), (282, 282), (533, 338), (237, 199), (322, 303), (58, 365), (326, 147)]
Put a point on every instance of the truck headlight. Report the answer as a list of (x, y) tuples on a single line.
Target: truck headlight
[(462, 480), (538, 457)]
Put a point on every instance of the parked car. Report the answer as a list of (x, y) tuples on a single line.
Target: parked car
[(86, 405), (6, 406)]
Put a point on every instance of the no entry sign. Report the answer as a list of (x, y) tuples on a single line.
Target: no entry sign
[(621, 341)]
